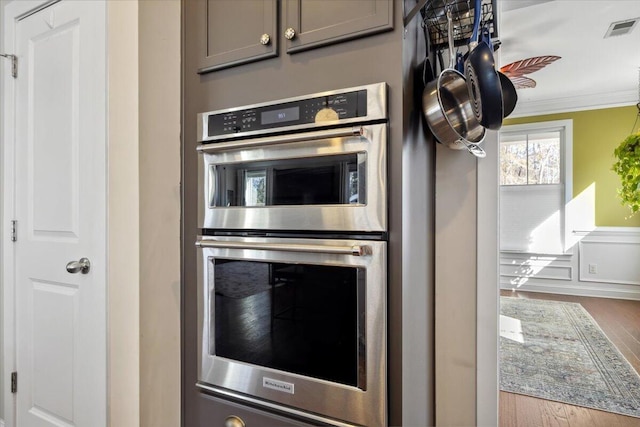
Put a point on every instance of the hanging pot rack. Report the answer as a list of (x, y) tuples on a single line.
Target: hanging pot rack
[(434, 18)]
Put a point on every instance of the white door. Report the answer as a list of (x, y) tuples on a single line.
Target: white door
[(60, 191)]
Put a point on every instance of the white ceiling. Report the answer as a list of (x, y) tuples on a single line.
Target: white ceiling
[(594, 72)]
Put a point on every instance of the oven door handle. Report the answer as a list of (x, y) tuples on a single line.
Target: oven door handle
[(283, 139), (355, 250)]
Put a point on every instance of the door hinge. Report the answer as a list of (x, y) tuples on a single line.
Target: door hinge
[(14, 382), (14, 63), (14, 230)]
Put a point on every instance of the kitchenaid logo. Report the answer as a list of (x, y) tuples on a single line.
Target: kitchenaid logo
[(277, 385)]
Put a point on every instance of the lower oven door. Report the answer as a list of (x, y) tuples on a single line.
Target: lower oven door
[(323, 180), (295, 324)]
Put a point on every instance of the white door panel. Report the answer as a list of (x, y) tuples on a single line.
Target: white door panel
[(60, 166), (53, 131)]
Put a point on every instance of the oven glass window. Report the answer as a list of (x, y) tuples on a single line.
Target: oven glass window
[(328, 180), (297, 318)]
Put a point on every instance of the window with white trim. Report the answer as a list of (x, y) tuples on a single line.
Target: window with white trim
[(535, 185), (530, 158)]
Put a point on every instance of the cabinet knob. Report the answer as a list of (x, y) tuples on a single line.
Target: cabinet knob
[(290, 33), (234, 421), (265, 39)]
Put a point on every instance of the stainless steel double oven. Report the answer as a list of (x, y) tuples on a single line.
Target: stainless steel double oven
[(292, 255)]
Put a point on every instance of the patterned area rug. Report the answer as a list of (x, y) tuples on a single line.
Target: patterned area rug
[(556, 351)]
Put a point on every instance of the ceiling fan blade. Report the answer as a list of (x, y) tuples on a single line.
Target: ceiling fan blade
[(528, 66), (521, 82)]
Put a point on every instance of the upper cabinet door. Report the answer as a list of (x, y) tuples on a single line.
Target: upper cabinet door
[(312, 23), (237, 32)]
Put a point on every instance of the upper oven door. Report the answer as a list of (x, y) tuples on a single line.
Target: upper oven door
[(330, 180)]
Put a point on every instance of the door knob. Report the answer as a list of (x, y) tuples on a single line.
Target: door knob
[(81, 266)]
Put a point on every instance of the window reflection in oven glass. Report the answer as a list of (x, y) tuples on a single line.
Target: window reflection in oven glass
[(292, 317), (255, 187), (325, 180)]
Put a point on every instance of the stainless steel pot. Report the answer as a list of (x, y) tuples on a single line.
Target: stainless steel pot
[(448, 110)]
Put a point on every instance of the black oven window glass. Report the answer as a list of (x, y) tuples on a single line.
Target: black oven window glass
[(296, 318), (327, 180)]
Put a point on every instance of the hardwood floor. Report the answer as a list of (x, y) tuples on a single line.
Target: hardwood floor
[(620, 321)]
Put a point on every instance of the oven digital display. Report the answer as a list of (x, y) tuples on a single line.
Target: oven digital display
[(280, 116)]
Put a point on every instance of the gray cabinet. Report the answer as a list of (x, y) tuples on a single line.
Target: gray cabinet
[(312, 23), (235, 32), (220, 413)]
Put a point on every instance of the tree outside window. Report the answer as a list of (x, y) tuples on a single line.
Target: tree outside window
[(530, 159)]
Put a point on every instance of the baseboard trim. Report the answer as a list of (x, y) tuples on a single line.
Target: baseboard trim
[(603, 291)]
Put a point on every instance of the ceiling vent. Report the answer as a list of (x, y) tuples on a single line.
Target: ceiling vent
[(621, 28)]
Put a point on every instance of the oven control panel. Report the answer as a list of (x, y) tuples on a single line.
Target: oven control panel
[(319, 110), (322, 109)]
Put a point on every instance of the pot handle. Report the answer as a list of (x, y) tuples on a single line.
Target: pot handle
[(451, 41), (459, 63), (486, 37), (476, 23), (474, 149)]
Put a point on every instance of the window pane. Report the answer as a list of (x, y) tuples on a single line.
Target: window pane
[(544, 158), (513, 162)]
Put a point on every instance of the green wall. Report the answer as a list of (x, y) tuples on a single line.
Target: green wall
[(596, 133)]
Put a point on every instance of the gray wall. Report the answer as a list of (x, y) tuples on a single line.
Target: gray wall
[(386, 57), (466, 287), (144, 207), (159, 170), (488, 294), (418, 186)]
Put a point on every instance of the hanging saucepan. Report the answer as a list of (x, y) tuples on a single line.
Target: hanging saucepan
[(447, 109), (509, 95), (483, 82)]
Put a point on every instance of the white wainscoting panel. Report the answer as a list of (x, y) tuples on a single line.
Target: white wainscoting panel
[(611, 255), (612, 252), (522, 266)]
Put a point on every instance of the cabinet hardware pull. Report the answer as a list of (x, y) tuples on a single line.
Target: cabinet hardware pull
[(234, 421), (290, 33)]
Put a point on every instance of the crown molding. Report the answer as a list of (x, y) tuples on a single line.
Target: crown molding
[(576, 103)]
